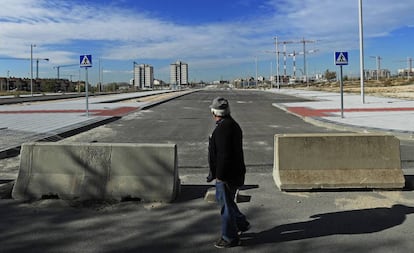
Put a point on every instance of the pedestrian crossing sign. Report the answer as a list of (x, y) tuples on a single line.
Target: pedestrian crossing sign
[(85, 61), (341, 58)]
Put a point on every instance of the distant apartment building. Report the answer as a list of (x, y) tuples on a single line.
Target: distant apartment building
[(179, 73), (374, 74), (143, 76), (406, 72)]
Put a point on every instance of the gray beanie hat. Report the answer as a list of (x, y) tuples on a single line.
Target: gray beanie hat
[(220, 107)]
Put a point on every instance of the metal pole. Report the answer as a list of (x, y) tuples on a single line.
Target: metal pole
[(277, 62), (133, 73), (294, 64), (361, 51), (31, 68), (256, 72), (284, 62), (342, 93), (378, 67), (7, 80), (86, 92), (99, 73), (37, 68), (271, 74), (304, 61)]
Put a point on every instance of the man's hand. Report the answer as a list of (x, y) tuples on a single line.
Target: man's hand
[(210, 178)]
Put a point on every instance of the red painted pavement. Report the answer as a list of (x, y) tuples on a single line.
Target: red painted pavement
[(309, 112), (105, 112)]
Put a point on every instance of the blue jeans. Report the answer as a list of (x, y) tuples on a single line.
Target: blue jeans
[(232, 220)]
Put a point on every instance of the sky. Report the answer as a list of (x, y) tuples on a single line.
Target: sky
[(218, 39)]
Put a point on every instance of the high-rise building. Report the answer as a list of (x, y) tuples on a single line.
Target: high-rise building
[(143, 76), (179, 73)]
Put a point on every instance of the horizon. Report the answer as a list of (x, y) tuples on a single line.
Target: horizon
[(219, 40)]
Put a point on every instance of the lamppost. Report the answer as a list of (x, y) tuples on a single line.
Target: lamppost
[(31, 68), (361, 50), (37, 66)]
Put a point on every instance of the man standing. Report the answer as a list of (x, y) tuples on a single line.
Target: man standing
[(227, 166)]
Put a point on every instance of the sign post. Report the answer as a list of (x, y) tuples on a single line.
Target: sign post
[(85, 61), (341, 59)]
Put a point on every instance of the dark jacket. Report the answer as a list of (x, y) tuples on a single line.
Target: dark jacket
[(226, 157)]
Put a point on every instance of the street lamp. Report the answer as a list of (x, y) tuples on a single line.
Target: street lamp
[(31, 68), (37, 66), (361, 50)]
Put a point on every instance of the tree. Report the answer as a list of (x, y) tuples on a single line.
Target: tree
[(330, 75)]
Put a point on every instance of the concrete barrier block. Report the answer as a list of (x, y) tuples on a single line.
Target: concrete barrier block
[(153, 168), (98, 171), (337, 160)]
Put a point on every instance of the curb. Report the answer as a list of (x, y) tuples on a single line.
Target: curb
[(402, 135), (71, 130)]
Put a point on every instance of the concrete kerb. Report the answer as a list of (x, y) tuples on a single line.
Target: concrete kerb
[(402, 135), (59, 134), (98, 171), (81, 127), (149, 105)]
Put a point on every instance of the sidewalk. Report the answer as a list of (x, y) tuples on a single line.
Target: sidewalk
[(32, 121), (377, 114)]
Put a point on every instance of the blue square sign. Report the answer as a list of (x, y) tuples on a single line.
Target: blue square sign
[(85, 61), (341, 58)]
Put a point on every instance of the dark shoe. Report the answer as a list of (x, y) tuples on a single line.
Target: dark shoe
[(221, 243)]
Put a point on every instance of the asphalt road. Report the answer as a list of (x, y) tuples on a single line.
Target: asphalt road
[(333, 221), (187, 121)]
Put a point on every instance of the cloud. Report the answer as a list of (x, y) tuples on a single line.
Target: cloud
[(64, 29)]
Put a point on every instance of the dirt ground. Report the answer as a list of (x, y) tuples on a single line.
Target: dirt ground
[(403, 89)]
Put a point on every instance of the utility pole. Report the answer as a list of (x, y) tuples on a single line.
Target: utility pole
[(31, 68)]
